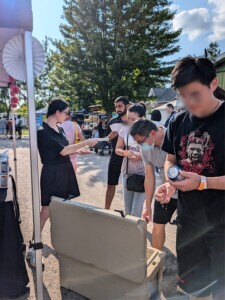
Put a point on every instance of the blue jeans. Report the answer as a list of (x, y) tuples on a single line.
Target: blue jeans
[(133, 201)]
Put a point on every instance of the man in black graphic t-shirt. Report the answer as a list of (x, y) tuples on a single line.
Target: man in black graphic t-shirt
[(115, 163), (195, 142)]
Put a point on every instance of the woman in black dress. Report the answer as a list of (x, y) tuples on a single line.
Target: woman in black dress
[(57, 177)]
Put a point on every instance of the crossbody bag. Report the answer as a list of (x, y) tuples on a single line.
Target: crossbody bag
[(134, 182)]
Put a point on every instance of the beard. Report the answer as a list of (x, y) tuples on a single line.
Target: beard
[(122, 113)]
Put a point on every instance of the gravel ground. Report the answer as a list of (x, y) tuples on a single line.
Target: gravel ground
[(92, 176)]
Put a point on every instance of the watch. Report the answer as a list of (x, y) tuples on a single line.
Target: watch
[(203, 184)]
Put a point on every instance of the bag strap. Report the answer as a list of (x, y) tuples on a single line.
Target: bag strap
[(127, 156), (15, 200)]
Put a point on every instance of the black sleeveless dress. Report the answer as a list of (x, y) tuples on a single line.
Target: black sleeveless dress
[(57, 177)]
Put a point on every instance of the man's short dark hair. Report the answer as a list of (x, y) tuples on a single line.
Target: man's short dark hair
[(122, 99), (142, 128), (190, 69), (170, 105)]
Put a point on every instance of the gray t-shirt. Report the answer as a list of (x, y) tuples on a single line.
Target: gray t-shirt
[(157, 158)]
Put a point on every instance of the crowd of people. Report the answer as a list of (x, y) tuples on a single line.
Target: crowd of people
[(6, 127), (143, 150)]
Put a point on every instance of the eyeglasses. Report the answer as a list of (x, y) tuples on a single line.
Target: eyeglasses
[(142, 142), (67, 113)]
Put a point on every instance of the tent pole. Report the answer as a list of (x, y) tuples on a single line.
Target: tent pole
[(34, 159), (14, 144)]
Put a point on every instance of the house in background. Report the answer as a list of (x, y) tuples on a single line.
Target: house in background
[(220, 69), (161, 96), (162, 108)]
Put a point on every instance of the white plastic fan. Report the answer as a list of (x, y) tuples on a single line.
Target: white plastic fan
[(13, 57)]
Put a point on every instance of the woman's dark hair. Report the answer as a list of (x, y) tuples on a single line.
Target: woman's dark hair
[(156, 115), (122, 99), (138, 108), (56, 104), (142, 127), (190, 69)]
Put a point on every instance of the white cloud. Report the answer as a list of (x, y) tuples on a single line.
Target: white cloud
[(198, 21), (218, 20), (194, 22)]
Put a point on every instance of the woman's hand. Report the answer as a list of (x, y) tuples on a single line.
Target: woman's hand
[(134, 156), (91, 143), (84, 151)]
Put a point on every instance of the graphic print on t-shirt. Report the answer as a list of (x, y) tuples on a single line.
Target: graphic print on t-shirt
[(196, 152)]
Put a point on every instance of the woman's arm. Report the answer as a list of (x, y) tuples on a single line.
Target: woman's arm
[(71, 149), (120, 146)]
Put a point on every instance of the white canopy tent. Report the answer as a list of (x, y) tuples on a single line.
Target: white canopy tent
[(16, 19)]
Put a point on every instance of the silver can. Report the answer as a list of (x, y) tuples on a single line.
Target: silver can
[(173, 174)]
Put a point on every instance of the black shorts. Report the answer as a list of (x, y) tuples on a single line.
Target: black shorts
[(58, 180), (201, 259), (114, 170), (163, 213)]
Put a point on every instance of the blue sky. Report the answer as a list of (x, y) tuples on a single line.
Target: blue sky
[(202, 21)]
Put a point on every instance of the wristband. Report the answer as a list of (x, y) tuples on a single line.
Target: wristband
[(203, 184)]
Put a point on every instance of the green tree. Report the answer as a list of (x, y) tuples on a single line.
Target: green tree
[(213, 50), (113, 47), (22, 110), (4, 101)]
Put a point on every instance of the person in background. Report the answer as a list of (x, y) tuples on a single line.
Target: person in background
[(79, 137), (132, 161), (57, 176), (7, 127), (115, 162), (95, 133), (195, 142), (150, 138), (10, 124), (80, 122), (74, 135), (102, 127), (19, 126), (2, 127), (156, 117), (171, 112)]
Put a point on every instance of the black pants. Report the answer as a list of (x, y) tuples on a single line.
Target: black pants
[(201, 259)]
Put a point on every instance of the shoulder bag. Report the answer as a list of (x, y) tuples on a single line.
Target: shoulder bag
[(135, 182)]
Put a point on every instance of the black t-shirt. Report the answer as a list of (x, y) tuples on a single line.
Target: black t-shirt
[(50, 144), (115, 157), (199, 147)]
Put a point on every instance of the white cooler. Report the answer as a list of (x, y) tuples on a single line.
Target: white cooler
[(102, 255)]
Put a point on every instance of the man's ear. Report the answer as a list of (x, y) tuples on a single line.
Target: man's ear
[(214, 84)]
